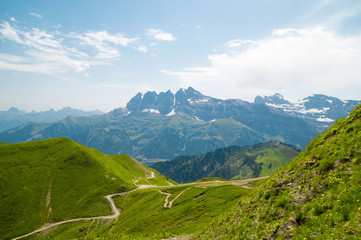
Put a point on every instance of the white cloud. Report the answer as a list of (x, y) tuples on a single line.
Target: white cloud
[(12, 19), (45, 52), (9, 32), (10, 58), (103, 36), (37, 15), (159, 34), (48, 53), (295, 62), (101, 41), (333, 13), (38, 39), (142, 48), (238, 43)]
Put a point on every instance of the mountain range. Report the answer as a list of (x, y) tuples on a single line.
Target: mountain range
[(157, 127), (317, 108), (15, 117), (59, 189)]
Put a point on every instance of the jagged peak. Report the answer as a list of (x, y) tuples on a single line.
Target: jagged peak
[(271, 99), (277, 95), (14, 109), (190, 89)]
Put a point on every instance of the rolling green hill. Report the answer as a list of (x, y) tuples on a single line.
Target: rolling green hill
[(158, 212), (230, 163), (317, 196), (58, 179)]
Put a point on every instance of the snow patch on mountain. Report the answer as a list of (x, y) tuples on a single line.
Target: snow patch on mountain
[(316, 108), (311, 111), (198, 101), (197, 118), (324, 119), (151, 110), (171, 113)]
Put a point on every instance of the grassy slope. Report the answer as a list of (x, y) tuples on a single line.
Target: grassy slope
[(317, 196), (275, 158), (75, 177), (230, 163), (144, 217)]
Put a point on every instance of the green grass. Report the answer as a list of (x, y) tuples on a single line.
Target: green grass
[(316, 196), (144, 217), (233, 162), (207, 179), (75, 177), (274, 159)]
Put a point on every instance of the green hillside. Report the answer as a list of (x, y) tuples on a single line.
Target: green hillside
[(317, 196), (234, 162), (58, 179), (145, 216)]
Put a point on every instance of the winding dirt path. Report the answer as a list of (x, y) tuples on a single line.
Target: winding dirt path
[(116, 211), (170, 204), (166, 199)]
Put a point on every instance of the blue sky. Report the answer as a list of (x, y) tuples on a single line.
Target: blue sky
[(98, 54)]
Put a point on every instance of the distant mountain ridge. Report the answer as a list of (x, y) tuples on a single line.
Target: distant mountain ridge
[(230, 163), (317, 108), (157, 127), (15, 117)]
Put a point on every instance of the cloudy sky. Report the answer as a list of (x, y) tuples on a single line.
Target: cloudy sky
[(91, 54)]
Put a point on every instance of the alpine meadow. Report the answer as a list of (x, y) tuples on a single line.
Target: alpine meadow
[(180, 120)]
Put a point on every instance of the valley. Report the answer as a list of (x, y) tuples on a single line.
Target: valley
[(233, 162), (59, 189), (180, 120)]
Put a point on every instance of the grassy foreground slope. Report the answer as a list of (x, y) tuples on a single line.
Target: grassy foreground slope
[(317, 196), (145, 215), (58, 179)]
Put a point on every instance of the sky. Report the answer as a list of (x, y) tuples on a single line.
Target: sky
[(89, 54)]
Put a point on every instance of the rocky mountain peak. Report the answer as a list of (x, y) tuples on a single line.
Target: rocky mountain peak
[(134, 103), (164, 102), (14, 109), (271, 99), (320, 101)]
